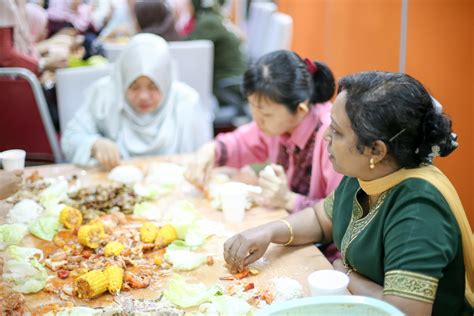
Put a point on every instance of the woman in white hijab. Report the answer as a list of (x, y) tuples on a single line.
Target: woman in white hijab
[(140, 110)]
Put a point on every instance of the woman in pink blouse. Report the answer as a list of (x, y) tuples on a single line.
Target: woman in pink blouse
[(289, 100)]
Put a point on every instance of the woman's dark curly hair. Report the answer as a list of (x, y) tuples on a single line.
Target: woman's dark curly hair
[(396, 109)]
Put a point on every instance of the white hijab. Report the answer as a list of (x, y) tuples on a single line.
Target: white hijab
[(165, 130)]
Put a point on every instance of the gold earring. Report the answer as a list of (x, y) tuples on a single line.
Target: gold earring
[(372, 163)]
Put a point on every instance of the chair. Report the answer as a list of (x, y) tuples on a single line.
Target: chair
[(25, 121), (258, 27), (279, 34), (70, 86), (195, 63), (113, 50)]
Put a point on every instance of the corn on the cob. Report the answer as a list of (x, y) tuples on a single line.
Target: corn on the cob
[(70, 217), (166, 235), (148, 232), (91, 284), (91, 235), (113, 248), (97, 222), (115, 276)]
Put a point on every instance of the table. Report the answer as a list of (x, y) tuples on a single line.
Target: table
[(295, 262)]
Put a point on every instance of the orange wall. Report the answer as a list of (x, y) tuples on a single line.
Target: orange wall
[(356, 35)]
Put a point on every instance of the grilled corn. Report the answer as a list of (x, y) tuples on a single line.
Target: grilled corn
[(148, 232), (166, 235), (70, 217), (115, 276), (91, 235), (91, 284), (113, 248)]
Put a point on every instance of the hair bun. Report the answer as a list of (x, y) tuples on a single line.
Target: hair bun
[(437, 137)]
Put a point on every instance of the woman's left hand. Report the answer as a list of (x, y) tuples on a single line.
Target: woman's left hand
[(275, 191)]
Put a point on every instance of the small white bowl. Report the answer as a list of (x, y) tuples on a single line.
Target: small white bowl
[(328, 282)]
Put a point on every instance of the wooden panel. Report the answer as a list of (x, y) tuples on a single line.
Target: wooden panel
[(440, 54), (349, 35)]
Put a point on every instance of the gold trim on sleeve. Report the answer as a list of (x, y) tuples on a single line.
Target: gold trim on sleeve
[(410, 285), (328, 205)]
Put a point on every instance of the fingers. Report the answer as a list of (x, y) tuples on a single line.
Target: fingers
[(228, 256), (235, 251), (107, 153), (279, 171)]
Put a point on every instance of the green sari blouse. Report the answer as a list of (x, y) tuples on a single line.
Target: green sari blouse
[(409, 242)]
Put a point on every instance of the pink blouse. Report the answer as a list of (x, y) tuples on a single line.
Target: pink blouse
[(248, 144)]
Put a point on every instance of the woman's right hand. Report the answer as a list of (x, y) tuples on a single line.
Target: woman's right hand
[(246, 247), (106, 152), (200, 168)]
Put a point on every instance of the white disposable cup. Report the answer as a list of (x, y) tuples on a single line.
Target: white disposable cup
[(328, 282), (13, 159), (234, 201)]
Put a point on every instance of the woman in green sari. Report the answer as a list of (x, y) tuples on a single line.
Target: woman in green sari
[(398, 221)]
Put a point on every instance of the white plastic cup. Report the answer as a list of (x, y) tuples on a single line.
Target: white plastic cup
[(13, 159), (328, 282), (234, 201)]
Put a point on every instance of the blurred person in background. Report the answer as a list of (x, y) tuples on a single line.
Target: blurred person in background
[(156, 17), (229, 59), (69, 13), (17, 49), (139, 110), (122, 24), (182, 12)]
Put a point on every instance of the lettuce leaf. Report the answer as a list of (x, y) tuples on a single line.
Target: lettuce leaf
[(152, 191), (54, 194), (182, 215), (11, 234), (184, 294), (229, 305), (24, 270), (184, 260), (45, 227), (24, 212), (147, 210)]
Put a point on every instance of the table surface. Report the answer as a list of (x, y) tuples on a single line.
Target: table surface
[(279, 261)]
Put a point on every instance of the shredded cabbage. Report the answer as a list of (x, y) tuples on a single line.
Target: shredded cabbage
[(182, 215), (11, 234), (184, 260), (151, 191), (54, 194), (229, 305), (147, 210), (184, 294), (45, 227), (24, 212), (24, 270)]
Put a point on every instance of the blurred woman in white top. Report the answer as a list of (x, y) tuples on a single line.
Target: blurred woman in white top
[(139, 110)]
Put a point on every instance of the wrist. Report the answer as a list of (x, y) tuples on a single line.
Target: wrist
[(290, 200)]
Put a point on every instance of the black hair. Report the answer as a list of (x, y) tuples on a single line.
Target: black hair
[(283, 77), (396, 109)]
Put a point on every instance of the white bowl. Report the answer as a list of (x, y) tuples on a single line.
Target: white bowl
[(328, 282)]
